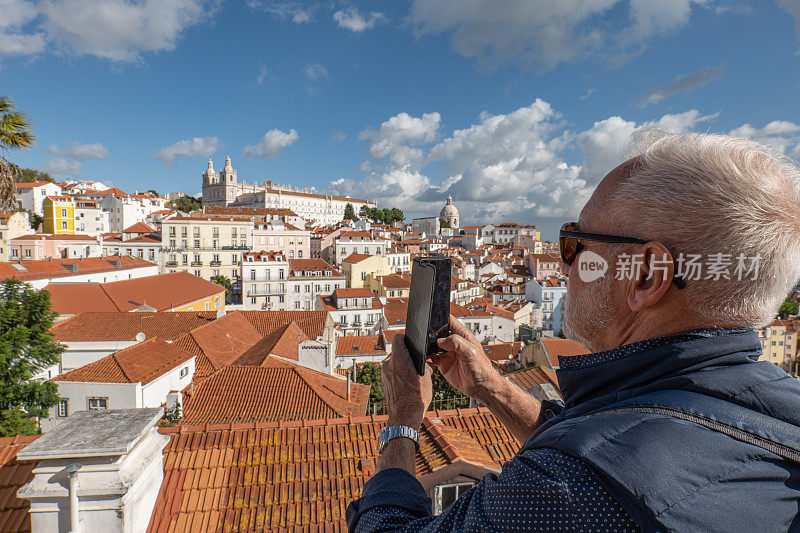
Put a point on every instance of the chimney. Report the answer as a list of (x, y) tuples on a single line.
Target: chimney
[(97, 471)]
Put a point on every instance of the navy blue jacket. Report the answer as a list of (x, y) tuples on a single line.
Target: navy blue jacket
[(647, 470)]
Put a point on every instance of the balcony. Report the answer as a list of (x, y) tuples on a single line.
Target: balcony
[(235, 248), (171, 263), (197, 263), (215, 263)]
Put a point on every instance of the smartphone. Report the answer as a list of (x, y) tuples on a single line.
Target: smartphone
[(428, 308)]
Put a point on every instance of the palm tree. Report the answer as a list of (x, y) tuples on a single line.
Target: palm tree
[(15, 134), (223, 281)]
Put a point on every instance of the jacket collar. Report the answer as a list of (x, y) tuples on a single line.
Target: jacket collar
[(585, 377)]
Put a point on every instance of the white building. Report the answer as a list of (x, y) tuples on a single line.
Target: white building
[(39, 274), (549, 294), (13, 224), (126, 209), (133, 378), (90, 218), (358, 242), (264, 277), (449, 213), (399, 259), (224, 188), (353, 311), (31, 195), (308, 279)]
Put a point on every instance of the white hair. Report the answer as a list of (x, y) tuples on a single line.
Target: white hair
[(711, 194)]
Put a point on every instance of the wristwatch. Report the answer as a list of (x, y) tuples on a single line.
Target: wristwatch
[(392, 432)]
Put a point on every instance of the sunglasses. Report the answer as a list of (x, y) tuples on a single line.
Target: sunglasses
[(570, 237)]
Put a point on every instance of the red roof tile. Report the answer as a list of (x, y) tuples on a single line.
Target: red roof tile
[(356, 258), (47, 268), (311, 322), (139, 227), (360, 345), (161, 292), (283, 342), (556, 348), (287, 392), (528, 378), (300, 475), (124, 326), (141, 363), (502, 352), (14, 512)]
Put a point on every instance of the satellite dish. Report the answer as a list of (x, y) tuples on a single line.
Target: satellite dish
[(141, 336)]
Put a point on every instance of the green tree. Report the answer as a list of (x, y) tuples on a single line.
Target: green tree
[(223, 281), (35, 219), (15, 134), (350, 212), (788, 308), (370, 374), (187, 204), (26, 347), (29, 174)]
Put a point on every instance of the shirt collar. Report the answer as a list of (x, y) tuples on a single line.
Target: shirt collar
[(583, 377)]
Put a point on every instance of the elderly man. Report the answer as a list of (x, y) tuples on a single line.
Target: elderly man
[(672, 423)]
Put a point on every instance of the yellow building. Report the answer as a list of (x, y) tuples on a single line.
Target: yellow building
[(778, 343), (389, 285), (355, 268), (59, 215)]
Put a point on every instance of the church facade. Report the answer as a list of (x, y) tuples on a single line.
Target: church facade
[(223, 189)]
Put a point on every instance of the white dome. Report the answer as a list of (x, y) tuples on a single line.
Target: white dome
[(449, 210)]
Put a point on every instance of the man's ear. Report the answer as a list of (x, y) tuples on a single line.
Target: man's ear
[(654, 278)]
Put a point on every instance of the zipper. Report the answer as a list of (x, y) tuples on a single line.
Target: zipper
[(790, 454)]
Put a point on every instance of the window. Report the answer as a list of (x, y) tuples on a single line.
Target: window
[(297, 305), (196, 231), (184, 371), (64, 224), (197, 243), (63, 408), (253, 274), (299, 254), (96, 404), (27, 253), (253, 300)]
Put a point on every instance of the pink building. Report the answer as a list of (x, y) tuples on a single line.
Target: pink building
[(292, 242), (542, 266), (47, 246)]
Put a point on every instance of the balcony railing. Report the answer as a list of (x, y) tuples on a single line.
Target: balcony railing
[(171, 263), (215, 263), (235, 248), (197, 263)]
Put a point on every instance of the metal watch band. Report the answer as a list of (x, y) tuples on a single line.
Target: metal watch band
[(393, 432)]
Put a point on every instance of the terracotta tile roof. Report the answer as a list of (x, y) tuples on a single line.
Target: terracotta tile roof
[(528, 378), (219, 343), (396, 281), (360, 345), (556, 348), (356, 258), (328, 303), (388, 335), (52, 237), (14, 512), (141, 363), (139, 227), (29, 184), (360, 292), (502, 352), (161, 292), (300, 475), (311, 322), (124, 326), (296, 266), (283, 342), (261, 394), (47, 268)]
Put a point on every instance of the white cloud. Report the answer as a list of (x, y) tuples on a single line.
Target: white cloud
[(588, 93), (13, 40), (61, 167), (351, 19), (262, 74), (81, 152), (293, 11), (196, 147), (522, 165), (681, 83), (399, 137), (271, 145), (316, 72), (338, 137), (779, 134), (120, 30), (545, 33), (793, 8)]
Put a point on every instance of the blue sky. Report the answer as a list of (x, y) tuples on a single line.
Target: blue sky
[(516, 108)]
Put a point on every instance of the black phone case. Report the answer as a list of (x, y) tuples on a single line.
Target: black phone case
[(428, 308)]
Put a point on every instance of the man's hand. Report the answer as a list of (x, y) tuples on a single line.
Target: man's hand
[(408, 394), (464, 363)]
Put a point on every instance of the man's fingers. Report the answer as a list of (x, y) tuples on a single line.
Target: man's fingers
[(454, 343), (460, 329)]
